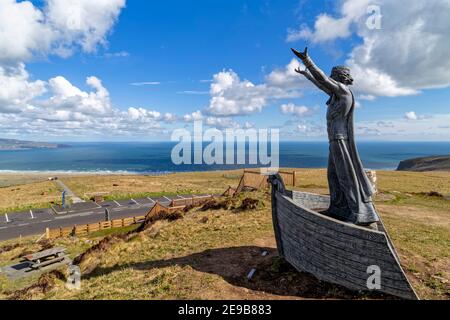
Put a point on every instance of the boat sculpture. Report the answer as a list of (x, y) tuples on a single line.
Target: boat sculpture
[(333, 251)]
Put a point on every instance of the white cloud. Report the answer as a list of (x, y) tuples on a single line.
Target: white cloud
[(120, 54), (16, 88), (60, 27), (307, 129), (292, 109), (141, 114), (146, 83), (328, 28), (249, 125), (67, 96), (408, 54), (411, 116), (193, 92), (231, 96), (144, 115), (287, 77), (82, 22), (435, 128), (194, 116), (222, 123), (216, 122)]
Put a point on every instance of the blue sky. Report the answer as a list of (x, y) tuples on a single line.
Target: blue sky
[(163, 58)]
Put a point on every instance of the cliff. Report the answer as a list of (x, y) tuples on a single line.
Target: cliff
[(437, 163)]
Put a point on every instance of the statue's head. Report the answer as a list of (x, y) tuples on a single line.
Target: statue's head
[(342, 75)]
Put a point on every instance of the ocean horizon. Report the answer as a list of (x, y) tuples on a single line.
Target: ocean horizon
[(153, 158)]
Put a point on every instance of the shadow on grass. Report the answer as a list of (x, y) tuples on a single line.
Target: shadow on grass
[(273, 275)]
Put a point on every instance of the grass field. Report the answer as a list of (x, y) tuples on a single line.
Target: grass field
[(207, 255)]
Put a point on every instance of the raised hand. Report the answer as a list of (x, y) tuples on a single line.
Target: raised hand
[(303, 72), (302, 55)]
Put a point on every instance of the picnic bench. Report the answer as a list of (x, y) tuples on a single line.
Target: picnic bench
[(46, 258)]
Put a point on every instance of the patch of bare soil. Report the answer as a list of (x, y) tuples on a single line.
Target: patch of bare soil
[(273, 277), (430, 217), (231, 204), (434, 194), (249, 204), (426, 275), (160, 216), (46, 283), (9, 247), (215, 204)]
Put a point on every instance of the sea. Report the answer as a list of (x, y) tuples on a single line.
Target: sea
[(154, 158)]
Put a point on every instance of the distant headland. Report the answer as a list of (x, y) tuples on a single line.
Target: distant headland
[(437, 163), (13, 144)]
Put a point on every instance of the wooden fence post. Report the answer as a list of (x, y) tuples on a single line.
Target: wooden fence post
[(294, 176)]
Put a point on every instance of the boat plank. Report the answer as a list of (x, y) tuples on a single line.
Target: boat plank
[(332, 250)]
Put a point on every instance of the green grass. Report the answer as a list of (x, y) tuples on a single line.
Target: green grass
[(112, 231), (27, 207), (428, 241), (420, 200), (136, 269)]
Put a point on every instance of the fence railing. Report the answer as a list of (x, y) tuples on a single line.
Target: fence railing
[(191, 201), (85, 229)]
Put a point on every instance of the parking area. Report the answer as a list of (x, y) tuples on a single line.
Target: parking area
[(18, 218), (76, 207), (31, 222)]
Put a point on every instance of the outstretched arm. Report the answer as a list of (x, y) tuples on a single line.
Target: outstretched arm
[(325, 81), (311, 78)]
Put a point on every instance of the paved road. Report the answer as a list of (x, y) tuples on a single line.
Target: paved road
[(35, 222), (69, 193)]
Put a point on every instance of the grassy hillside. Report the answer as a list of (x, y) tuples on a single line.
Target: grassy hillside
[(208, 254)]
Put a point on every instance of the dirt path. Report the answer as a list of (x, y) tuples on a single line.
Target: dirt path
[(69, 192)]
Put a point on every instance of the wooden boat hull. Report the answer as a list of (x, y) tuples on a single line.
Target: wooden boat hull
[(332, 250)]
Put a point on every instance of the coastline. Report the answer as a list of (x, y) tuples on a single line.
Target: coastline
[(62, 173)]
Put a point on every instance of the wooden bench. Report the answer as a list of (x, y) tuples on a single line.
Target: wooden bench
[(45, 258)]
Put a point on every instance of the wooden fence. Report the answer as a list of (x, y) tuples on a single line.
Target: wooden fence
[(85, 229), (255, 179)]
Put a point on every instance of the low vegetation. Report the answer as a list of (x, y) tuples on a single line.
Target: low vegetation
[(207, 251)]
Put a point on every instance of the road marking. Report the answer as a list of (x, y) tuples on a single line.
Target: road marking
[(7, 219), (23, 224), (151, 199), (47, 221), (167, 198), (181, 197), (83, 214), (31, 213), (1, 228), (136, 202), (117, 203)]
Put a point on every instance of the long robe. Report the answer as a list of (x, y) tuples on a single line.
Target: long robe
[(350, 189)]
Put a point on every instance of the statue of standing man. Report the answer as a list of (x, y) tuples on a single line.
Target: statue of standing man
[(350, 190)]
